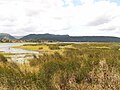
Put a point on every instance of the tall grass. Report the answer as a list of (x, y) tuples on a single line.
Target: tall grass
[(83, 67)]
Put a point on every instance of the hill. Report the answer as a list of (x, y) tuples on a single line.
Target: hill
[(6, 36), (95, 39), (67, 38), (52, 37)]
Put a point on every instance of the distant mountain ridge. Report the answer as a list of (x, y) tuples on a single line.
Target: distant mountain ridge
[(61, 38), (6, 36), (96, 39), (46, 37), (67, 38)]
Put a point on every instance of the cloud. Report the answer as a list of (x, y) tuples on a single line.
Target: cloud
[(73, 17), (108, 29), (100, 20)]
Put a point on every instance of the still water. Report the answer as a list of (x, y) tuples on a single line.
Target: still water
[(7, 47)]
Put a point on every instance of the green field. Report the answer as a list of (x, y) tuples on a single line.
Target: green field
[(87, 66)]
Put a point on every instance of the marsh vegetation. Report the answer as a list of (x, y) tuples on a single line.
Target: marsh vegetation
[(87, 66)]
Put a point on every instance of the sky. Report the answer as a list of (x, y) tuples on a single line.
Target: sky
[(72, 17)]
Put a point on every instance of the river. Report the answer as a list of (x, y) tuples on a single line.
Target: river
[(21, 56), (7, 48)]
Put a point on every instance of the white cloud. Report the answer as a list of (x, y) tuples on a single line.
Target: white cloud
[(21, 17), (87, 1)]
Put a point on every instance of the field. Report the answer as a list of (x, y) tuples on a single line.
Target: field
[(87, 66), (45, 48)]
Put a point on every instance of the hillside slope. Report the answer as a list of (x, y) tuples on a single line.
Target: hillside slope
[(6, 36), (67, 38)]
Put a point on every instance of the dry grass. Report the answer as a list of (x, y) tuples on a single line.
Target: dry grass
[(78, 67)]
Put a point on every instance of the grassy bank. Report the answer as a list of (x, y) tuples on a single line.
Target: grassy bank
[(47, 48), (90, 66)]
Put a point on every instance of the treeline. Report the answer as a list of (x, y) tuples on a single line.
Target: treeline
[(19, 41)]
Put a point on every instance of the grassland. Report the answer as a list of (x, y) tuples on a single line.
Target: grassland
[(45, 48), (88, 66)]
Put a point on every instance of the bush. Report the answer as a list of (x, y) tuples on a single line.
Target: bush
[(54, 47), (2, 58), (40, 48)]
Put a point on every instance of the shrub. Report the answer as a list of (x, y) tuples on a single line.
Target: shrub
[(40, 48), (2, 58), (54, 47), (64, 72)]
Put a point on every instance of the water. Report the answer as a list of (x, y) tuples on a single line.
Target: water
[(7, 48)]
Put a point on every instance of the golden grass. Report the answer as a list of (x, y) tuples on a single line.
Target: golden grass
[(43, 48), (28, 68), (89, 66)]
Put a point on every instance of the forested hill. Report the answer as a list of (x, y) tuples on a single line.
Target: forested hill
[(62, 38), (67, 38), (95, 39)]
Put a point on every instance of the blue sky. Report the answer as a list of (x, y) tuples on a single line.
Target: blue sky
[(116, 1), (75, 3), (73, 17), (78, 2)]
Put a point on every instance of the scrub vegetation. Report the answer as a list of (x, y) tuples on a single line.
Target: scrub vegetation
[(87, 66)]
